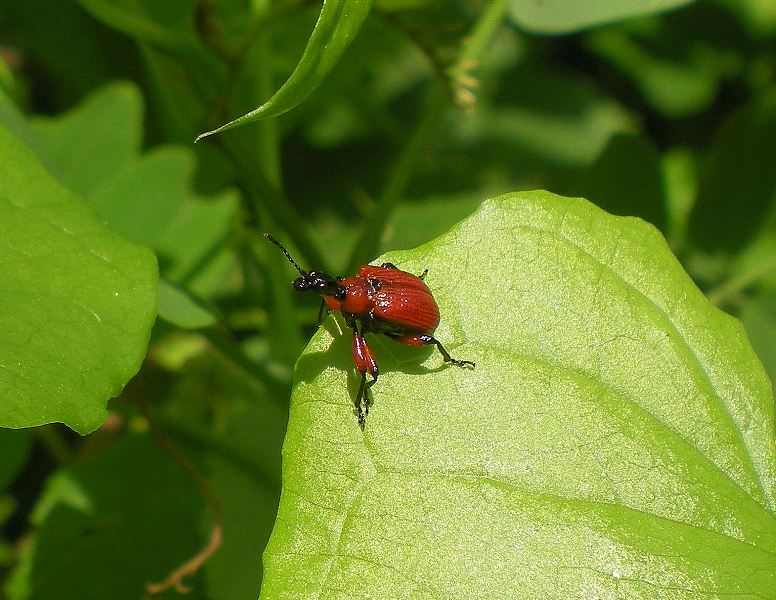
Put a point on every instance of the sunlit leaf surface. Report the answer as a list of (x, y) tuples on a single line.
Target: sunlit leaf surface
[(615, 439)]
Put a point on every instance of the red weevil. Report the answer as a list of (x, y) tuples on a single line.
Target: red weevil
[(382, 300)]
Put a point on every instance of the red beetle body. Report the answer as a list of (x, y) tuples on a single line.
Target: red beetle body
[(382, 300), (390, 295)]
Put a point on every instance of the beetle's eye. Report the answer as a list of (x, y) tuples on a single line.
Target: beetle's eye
[(340, 293)]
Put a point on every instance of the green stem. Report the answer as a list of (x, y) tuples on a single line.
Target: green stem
[(484, 29), (733, 287), (239, 55), (367, 246), (201, 439), (435, 110), (285, 334), (277, 387), (259, 23), (54, 443), (263, 195)]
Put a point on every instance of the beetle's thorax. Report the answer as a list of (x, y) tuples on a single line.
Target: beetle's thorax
[(356, 298)]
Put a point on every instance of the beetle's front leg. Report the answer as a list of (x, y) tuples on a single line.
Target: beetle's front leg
[(321, 313), (365, 363)]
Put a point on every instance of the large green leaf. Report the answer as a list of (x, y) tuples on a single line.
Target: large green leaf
[(615, 439), (559, 16), (337, 25), (76, 305)]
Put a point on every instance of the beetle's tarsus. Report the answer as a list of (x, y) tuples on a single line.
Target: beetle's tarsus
[(460, 363), (430, 339)]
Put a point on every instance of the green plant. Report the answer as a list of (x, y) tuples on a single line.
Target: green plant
[(617, 436)]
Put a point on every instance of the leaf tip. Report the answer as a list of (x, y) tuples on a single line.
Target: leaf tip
[(204, 135)]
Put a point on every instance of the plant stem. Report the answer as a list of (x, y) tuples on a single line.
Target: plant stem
[(239, 55), (263, 195), (732, 288), (201, 439), (277, 387), (366, 247), (191, 566), (484, 30), (54, 443)]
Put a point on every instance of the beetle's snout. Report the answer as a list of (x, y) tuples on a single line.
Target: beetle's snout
[(301, 284)]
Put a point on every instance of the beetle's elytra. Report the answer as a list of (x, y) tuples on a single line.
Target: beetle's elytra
[(382, 300)]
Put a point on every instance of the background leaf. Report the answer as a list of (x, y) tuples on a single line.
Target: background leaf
[(131, 499), (616, 436), (557, 16), (95, 151), (77, 304), (14, 448), (626, 180), (739, 181), (759, 318)]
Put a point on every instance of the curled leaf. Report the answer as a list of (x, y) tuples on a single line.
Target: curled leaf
[(336, 28)]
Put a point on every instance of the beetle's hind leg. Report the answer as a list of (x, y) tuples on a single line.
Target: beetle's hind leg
[(359, 396), (363, 400), (423, 339), (365, 363)]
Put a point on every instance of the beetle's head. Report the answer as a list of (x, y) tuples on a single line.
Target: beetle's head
[(312, 281), (323, 283)]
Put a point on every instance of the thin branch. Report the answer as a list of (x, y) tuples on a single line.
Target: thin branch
[(175, 579), (190, 567)]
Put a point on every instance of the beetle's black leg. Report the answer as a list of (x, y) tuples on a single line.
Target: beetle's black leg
[(367, 399), (429, 339), (365, 363), (359, 396), (388, 265), (362, 398), (321, 312)]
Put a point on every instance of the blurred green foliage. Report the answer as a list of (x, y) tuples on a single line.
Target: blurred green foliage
[(434, 107)]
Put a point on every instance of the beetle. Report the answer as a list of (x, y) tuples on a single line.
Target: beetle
[(382, 300)]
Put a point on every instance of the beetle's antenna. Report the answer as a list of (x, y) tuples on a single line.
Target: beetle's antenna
[(288, 256)]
